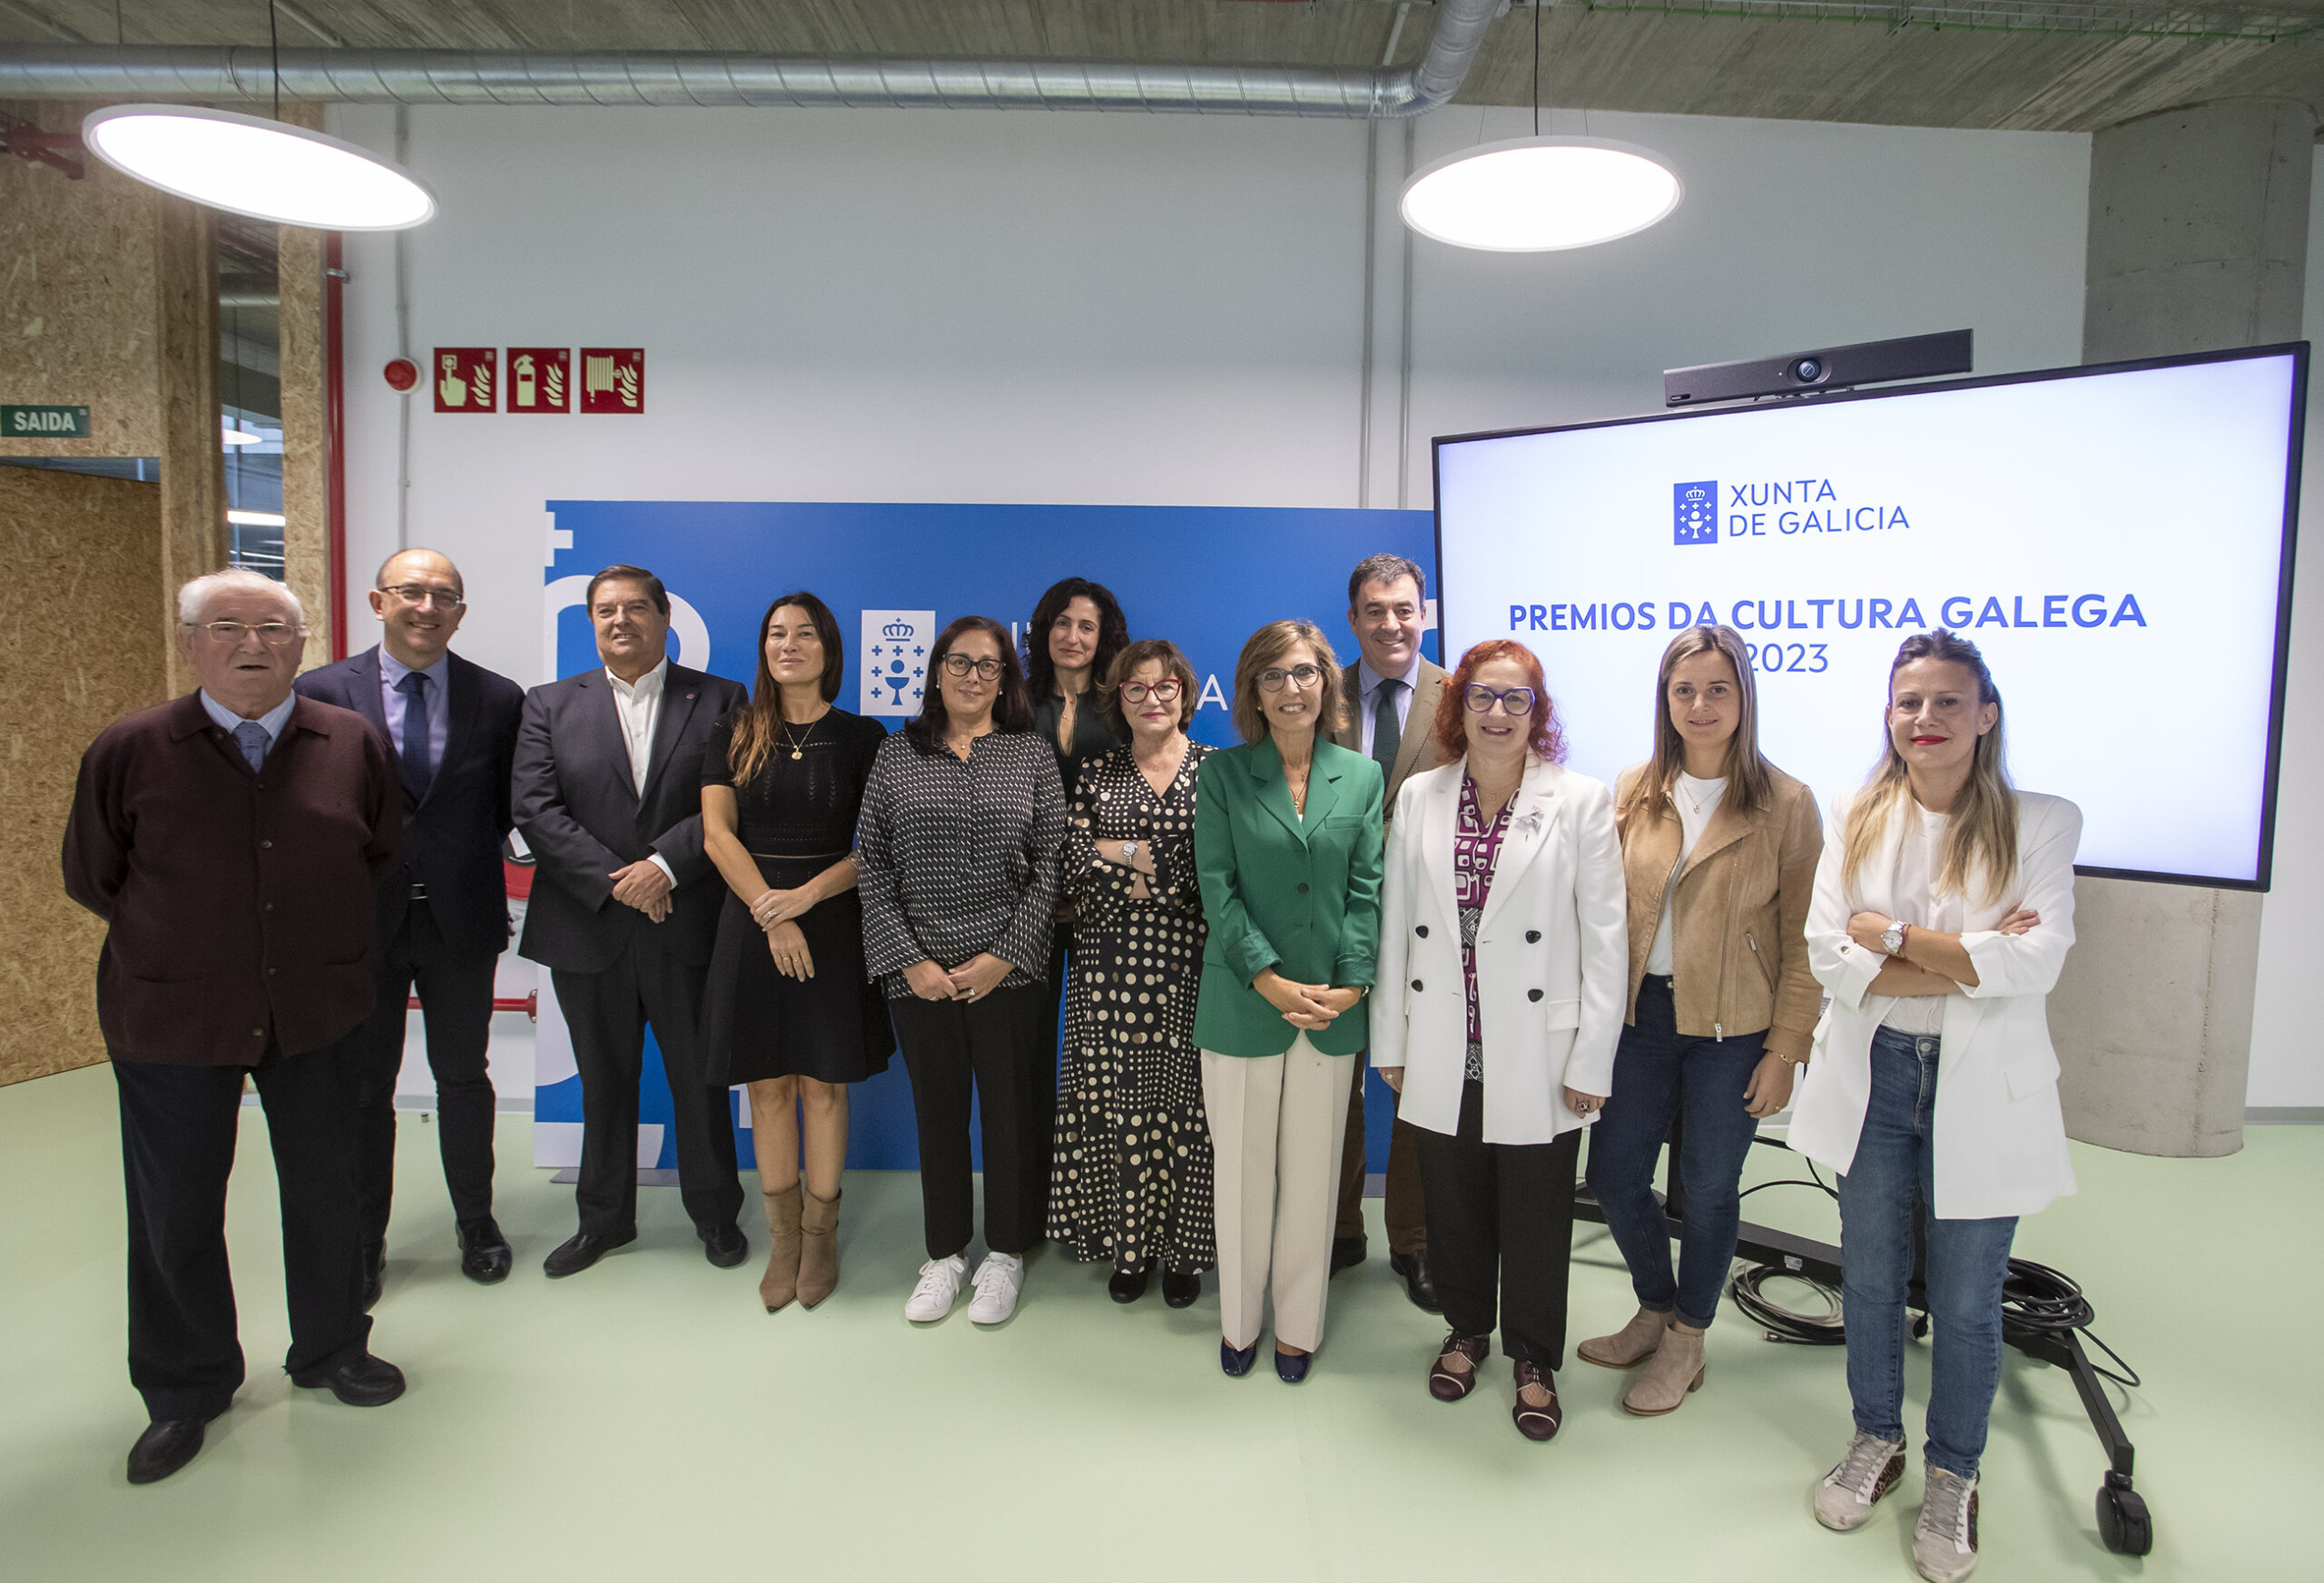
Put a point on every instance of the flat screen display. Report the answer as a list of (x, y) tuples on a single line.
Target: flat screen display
[(2117, 540)]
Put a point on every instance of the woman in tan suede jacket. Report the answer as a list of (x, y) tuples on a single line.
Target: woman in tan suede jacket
[(1719, 850)]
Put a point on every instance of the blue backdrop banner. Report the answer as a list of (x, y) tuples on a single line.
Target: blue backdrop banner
[(1203, 577)]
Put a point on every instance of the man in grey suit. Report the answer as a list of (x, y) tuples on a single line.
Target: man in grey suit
[(607, 791), (1392, 695)]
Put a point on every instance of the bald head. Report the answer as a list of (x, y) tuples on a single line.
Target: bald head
[(420, 600)]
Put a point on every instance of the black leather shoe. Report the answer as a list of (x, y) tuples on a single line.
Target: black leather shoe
[(486, 1256), (580, 1251), (167, 1445), (1291, 1368), (366, 1381), (375, 1277), (725, 1247), (1129, 1285), (1236, 1361), (1418, 1285), (1180, 1290), (1347, 1252)]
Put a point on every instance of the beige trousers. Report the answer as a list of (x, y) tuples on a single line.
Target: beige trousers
[(1277, 1125)]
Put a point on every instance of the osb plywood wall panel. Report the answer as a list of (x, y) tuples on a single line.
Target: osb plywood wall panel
[(89, 548), (305, 456), (77, 297), (184, 244)]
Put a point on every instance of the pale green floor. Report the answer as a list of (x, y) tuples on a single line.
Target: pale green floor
[(647, 1421)]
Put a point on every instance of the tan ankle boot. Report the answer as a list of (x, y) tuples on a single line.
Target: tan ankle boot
[(1629, 1346), (1677, 1368), (781, 1282), (818, 1249)]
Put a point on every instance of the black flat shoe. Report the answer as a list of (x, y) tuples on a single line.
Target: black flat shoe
[(725, 1247), (1128, 1285), (1291, 1368), (1180, 1289), (580, 1251), (1236, 1360), (486, 1257), (366, 1381), (1418, 1284), (167, 1445), (1347, 1252), (375, 1277)]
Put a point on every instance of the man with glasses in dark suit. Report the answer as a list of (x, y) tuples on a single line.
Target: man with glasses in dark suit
[(444, 908), (1392, 695), (607, 791)]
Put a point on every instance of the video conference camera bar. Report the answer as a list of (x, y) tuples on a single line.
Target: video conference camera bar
[(1871, 362)]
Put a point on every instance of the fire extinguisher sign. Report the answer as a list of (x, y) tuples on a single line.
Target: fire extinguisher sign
[(612, 378), (465, 379), (540, 379)]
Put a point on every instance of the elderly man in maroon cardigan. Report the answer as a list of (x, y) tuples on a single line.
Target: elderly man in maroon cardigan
[(232, 840)]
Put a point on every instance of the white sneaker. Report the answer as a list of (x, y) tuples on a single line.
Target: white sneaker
[(998, 1280), (1868, 1470), (939, 1284), (1945, 1540)]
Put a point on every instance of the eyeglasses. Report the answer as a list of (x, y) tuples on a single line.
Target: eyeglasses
[(420, 594), (961, 665), (1481, 699), (1300, 677), (273, 633), (1160, 692)]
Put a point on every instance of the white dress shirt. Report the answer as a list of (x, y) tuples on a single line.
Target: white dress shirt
[(274, 720), (434, 681), (1919, 855), (1367, 689), (639, 704)]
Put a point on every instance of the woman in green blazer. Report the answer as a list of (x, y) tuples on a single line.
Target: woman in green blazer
[(1287, 854)]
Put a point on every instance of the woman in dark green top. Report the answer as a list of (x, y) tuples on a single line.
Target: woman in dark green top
[(1287, 854)]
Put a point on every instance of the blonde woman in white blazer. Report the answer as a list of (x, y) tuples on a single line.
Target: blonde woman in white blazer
[(1944, 909), (1504, 960)]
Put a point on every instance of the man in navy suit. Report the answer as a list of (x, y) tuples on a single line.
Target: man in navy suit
[(443, 909), (624, 906)]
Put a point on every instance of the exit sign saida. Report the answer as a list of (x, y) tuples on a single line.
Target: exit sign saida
[(45, 422)]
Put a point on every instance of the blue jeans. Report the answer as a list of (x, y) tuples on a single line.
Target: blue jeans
[(1892, 1179), (1660, 1074)]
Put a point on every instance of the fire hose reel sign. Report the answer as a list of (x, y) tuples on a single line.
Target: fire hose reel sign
[(540, 379), (613, 379)]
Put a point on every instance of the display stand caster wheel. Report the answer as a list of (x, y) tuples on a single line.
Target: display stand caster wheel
[(2123, 1520)]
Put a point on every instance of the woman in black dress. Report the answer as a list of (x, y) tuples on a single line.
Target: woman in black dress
[(790, 1010), (1131, 1183)]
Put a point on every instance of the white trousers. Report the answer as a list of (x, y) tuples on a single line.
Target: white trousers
[(1277, 1125)]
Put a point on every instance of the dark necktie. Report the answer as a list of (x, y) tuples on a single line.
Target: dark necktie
[(251, 737), (1387, 731), (418, 770)]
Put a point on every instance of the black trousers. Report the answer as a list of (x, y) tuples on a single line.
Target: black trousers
[(178, 1126), (455, 1005), (608, 1013), (990, 1050), (1505, 1211)]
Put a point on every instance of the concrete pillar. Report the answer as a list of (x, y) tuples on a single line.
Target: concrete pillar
[(2198, 241)]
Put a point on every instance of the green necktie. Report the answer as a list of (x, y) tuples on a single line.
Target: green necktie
[(1387, 731)]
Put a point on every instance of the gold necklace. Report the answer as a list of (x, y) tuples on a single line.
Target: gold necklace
[(797, 744)]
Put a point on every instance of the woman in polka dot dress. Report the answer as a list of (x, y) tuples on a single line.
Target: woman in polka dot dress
[(1131, 1182)]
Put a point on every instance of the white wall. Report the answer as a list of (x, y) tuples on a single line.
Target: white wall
[(1073, 308)]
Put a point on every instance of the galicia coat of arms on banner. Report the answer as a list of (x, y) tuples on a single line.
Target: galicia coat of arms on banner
[(895, 661)]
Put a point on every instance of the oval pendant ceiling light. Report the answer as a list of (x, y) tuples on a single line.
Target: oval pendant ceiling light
[(1539, 194), (247, 164)]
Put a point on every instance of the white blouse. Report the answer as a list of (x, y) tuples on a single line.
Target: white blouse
[(1919, 855), (1697, 800)]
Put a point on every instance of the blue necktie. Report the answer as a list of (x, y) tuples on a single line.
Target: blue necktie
[(251, 737), (416, 768)]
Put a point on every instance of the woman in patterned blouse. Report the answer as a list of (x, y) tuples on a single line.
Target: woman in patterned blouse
[(1131, 1182), (1500, 1077), (957, 864)]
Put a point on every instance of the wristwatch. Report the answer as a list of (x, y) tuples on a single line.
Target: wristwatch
[(1892, 939), (1130, 852)]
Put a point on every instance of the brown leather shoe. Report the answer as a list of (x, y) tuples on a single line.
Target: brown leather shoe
[(780, 1285), (1534, 1420), (1450, 1384), (817, 1249)]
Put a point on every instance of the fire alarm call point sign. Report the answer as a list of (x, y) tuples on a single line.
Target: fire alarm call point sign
[(465, 379)]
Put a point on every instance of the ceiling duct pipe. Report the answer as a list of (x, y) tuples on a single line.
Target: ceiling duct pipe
[(245, 75)]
